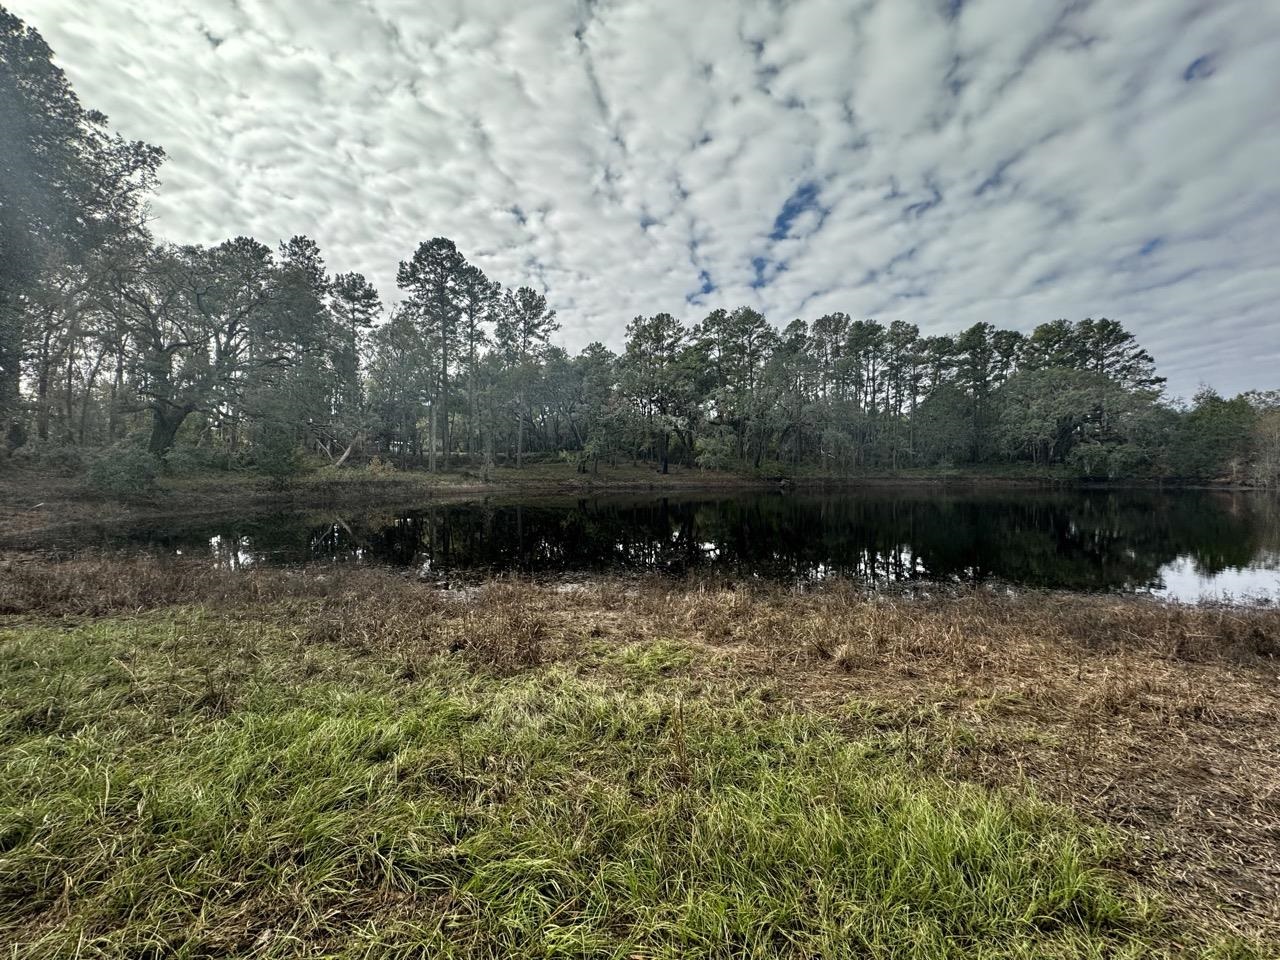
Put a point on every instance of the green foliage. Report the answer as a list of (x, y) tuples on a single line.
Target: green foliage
[(56, 458), (123, 470), (714, 451), (68, 188), (1214, 437), (277, 454), (943, 430), (838, 449), (189, 459), (1046, 413), (230, 334)]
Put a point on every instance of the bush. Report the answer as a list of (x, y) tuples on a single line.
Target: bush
[(123, 470), (65, 461), (186, 458), (381, 468), (714, 451), (277, 455)]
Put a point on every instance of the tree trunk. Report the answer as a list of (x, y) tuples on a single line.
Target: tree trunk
[(520, 442), (444, 396), (343, 459), (520, 437), (42, 389), (165, 423), (10, 374), (69, 396), (88, 394), (471, 396), (117, 383), (490, 457), (431, 443)]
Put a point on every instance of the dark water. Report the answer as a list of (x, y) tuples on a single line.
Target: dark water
[(1186, 544)]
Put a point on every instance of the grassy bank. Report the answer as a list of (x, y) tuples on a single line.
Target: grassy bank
[(201, 763)]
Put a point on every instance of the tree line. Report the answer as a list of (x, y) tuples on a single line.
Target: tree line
[(240, 354)]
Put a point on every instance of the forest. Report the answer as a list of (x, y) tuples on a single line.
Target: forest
[(118, 348)]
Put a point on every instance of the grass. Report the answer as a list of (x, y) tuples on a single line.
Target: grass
[(276, 765)]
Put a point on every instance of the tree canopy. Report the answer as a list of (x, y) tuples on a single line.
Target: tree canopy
[(238, 353)]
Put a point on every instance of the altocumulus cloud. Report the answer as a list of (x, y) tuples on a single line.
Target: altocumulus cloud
[(936, 161)]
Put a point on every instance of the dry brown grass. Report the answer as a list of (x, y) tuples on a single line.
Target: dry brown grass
[(370, 610), (1159, 719)]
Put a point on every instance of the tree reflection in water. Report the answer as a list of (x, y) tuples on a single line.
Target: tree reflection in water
[(1080, 540)]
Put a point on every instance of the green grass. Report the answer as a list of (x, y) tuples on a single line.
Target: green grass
[(649, 660), (189, 783)]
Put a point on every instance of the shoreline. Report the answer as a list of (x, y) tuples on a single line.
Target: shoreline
[(39, 503)]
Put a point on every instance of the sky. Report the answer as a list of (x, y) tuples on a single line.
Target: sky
[(941, 162)]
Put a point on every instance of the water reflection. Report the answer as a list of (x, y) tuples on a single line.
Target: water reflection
[(1183, 544)]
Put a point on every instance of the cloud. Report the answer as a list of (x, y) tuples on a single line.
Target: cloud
[(934, 161)]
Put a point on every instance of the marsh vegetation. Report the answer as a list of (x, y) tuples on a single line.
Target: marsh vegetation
[(278, 762)]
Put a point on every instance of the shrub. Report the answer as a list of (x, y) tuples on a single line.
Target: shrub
[(277, 455), (381, 468), (123, 470), (49, 457), (186, 458), (714, 451)]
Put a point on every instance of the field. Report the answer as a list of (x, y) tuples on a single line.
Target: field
[(274, 764)]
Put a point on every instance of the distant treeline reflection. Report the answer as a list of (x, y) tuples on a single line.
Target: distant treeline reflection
[(1078, 540)]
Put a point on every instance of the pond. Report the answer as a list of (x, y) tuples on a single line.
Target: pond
[(1186, 545)]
